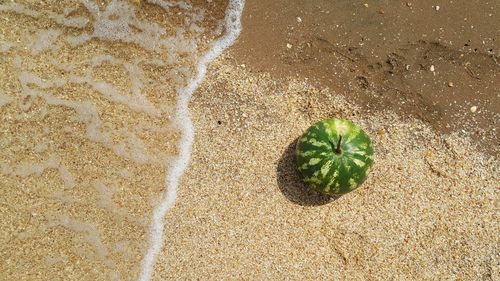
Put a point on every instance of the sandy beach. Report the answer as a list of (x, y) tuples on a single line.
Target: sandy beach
[(425, 213), (92, 128)]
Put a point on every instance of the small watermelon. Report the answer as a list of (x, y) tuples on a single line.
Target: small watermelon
[(334, 156)]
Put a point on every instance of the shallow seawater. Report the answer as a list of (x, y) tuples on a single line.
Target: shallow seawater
[(93, 116)]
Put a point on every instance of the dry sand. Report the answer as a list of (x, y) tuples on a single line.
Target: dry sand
[(76, 206), (427, 212)]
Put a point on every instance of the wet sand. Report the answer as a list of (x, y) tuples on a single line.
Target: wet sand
[(379, 54), (77, 207)]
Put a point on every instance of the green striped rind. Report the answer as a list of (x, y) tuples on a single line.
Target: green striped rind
[(323, 169)]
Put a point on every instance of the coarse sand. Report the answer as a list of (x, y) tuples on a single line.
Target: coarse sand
[(427, 211), (84, 153)]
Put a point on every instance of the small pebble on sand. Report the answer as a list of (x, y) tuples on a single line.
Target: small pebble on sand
[(289, 46), (450, 84), (473, 109), (432, 68), (299, 20), (437, 8)]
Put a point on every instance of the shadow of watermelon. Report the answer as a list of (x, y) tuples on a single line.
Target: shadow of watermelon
[(291, 185)]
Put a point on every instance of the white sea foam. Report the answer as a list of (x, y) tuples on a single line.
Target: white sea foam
[(6, 46), (19, 9), (77, 22), (119, 22), (51, 163), (36, 169), (45, 40), (169, 4), (183, 120), (88, 114), (106, 197), (4, 99), (91, 235), (41, 147)]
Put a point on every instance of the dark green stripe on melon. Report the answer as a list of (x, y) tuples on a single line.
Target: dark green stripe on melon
[(326, 170)]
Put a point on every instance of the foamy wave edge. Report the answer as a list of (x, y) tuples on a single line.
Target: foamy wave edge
[(183, 120)]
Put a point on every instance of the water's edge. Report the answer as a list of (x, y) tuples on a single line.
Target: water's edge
[(177, 167)]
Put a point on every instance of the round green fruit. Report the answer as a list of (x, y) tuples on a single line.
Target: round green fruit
[(334, 156)]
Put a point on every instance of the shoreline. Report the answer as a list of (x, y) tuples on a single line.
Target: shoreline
[(443, 72), (83, 167), (178, 165)]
